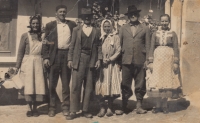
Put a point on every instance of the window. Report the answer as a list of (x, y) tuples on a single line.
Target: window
[(8, 24)]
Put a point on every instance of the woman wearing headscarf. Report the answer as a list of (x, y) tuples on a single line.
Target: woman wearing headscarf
[(109, 81), (30, 63)]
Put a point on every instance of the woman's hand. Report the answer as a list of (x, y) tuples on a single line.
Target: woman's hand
[(175, 68), (46, 63), (150, 67), (16, 70), (106, 61)]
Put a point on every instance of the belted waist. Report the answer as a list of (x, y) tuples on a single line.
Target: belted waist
[(86, 52), (32, 55)]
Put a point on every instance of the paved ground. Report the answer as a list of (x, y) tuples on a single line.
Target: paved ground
[(185, 110), (182, 111)]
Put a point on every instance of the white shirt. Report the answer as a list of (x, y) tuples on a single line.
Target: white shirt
[(87, 30), (64, 35)]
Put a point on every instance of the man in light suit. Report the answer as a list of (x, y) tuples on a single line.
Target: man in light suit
[(135, 39), (84, 58), (58, 35)]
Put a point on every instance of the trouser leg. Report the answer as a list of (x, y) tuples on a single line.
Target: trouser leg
[(65, 78), (53, 80), (78, 76), (140, 82), (88, 89), (126, 84)]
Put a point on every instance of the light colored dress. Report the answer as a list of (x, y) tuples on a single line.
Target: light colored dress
[(164, 45), (32, 69), (109, 81)]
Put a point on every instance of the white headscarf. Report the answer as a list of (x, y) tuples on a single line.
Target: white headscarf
[(103, 33)]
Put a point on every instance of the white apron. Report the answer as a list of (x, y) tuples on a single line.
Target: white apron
[(32, 69)]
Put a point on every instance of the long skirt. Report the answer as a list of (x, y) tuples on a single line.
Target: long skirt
[(109, 81), (34, 84)]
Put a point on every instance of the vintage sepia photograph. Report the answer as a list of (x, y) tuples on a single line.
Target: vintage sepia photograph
[(99, 61)]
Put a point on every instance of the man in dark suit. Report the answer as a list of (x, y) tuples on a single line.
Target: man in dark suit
[(135, 39), (84, 58), (58, 35)]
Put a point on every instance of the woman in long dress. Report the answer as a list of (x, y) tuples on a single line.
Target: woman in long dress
[(108, 84), (30, 63), (164, 64)]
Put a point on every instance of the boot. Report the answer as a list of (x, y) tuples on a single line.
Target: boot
[(139, 109), (109, 110)]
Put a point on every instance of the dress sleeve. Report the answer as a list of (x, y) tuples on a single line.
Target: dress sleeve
[(117, 48), (147, 42), (175, 47), (152, 47), (21, 51)]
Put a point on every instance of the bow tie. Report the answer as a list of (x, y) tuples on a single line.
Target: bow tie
[(134, 23)]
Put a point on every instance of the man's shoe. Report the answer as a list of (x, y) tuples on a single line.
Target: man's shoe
[(65, 112), (123, 110), (35, 113), (51, 113), (87, 115), (141, 111), (71, 116)]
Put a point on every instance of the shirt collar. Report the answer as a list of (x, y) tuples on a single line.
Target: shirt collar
[(59, 22)]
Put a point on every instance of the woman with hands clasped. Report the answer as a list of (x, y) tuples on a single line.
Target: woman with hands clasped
[(108, 84)]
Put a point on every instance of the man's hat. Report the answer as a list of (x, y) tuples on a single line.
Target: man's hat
[(87, 11), (132, 9)]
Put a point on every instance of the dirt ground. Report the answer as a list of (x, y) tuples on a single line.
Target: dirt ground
[(184, 110)]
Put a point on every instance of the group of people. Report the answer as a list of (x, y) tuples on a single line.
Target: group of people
[(101, 60)]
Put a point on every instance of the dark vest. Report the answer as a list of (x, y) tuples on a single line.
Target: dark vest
[(86, 42)]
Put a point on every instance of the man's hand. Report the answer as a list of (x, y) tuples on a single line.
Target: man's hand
[(98, 64), (46, 63), (175, 68), (70, 64)]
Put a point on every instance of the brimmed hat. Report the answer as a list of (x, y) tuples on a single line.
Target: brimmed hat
[(132, 9), (87, 11)]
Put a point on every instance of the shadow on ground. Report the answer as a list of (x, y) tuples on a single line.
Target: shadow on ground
[(10, 97)]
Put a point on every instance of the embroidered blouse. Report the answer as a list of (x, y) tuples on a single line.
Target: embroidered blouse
[(164, 38)]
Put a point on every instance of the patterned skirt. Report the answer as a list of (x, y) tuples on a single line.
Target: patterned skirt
[(162, 81), (109, 81)]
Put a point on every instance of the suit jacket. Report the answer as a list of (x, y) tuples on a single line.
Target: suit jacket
[(75, 47), (135, 48), (49, 50)]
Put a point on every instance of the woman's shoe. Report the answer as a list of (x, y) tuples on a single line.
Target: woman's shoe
[(156, 110), (102, 112), (35, 113), (29, 113), (109, 112), (165, 110)]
